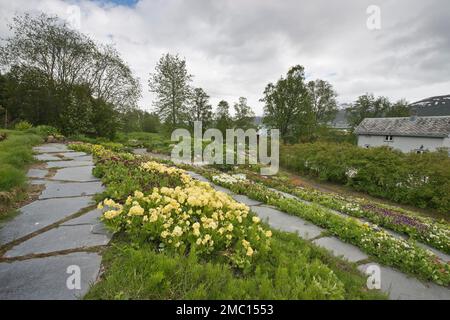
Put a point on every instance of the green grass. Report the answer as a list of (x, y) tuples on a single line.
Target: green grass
[(292, 269), (295, 270), (15, 157)]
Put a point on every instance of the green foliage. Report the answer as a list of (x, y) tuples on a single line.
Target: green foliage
[(11, 177), (293, 272), (405, 255), (200, 109), (426, 230), (288, 106), (367, 106), (323, 99), (422, 180), (45, 130), (171, 84), (79, 90), (15, 156), (223, 120), (293, 269), (23, 125), (244, 115)]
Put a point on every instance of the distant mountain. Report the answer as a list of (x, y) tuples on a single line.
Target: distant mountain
[(434, 106)]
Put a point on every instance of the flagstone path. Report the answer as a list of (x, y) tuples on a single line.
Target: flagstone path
[(51, 249)]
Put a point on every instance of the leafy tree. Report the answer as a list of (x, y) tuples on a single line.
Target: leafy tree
[(171, 84), (287, 105), (223, 119), (104, 119), (201, 109), (244, 114), (66, 57), (367, 106), (323, 99), (150, 122), (399, 109), (55, 75)]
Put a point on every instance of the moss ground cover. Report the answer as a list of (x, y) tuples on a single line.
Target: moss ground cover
[(15, 155), (404, 255), (176, 238)]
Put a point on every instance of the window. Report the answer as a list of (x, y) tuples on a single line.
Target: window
[(388, 138)]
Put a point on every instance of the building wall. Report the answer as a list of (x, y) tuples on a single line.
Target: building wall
[(404, 144)]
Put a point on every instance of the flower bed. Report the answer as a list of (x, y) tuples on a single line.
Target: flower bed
[(405, 255), (173, 221), (425, 230)]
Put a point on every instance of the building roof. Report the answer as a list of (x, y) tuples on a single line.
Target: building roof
[(409, 126)]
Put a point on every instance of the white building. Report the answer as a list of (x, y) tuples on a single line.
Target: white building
[(417, 134)]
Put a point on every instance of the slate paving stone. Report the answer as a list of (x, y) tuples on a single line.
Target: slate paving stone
[(40, 214), (340, 248), (56, 189), (46, 278), (51, 148), (37, 173), (444, 257), (100, 228), (68, 164), (401, 287), (80, 174), (91, 217), (245, 200), (46, 157), (222, 189), (73, 154), (284, 222), (58, 239), (37, 182), (85, 158)]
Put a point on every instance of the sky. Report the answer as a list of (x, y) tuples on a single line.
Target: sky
[(399, 49)]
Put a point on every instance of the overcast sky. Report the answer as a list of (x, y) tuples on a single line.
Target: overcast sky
[(234, 48)]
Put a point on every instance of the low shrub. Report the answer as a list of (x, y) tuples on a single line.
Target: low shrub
[(23, 126), (422, 180), (10, 177)]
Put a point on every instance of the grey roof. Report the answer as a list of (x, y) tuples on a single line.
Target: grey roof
[(409, 126)]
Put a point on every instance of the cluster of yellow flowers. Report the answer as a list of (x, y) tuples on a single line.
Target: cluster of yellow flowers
[(152, 166), (193, 215)]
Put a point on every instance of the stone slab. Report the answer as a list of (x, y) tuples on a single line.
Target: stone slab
[(444, 257), (40, 214), (79, 174), (401, 287), (37, 173), (73, 154), (46, 278), (284, 222), (340, 248), (245, 200), (68, 164), (59, 239), (91, 218), (51, 148), (55, 189), (222, 189), (46, 157), (37, 182)]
